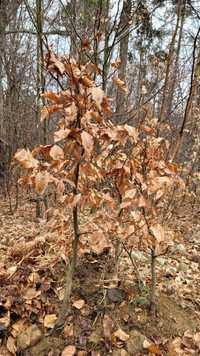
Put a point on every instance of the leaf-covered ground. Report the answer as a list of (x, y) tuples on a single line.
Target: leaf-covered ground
[(108, 316)]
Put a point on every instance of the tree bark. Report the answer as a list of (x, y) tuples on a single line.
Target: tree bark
[(8, 9), (175, 69), (123, 54), (193, 88), (170, 60), (42, 131), (153, 282)]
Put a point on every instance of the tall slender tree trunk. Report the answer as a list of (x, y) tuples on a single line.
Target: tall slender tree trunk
[(106, 49), (2, 28), (42, 130), (8, 99), (169, 65), (73, 49), (72, 261), (123, 54), (153, 282), (8, 10), (175, 69), (189, 104)]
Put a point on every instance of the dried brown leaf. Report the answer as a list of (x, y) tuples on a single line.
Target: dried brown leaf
[(69, 351), (11, 345), (68, 330), (79, 304), (42, 180), (88, 142), (57, 153), (50, 320), (61, 134), (158, 232), (26, 159), (120, 83), (121, 335), (97, 96)]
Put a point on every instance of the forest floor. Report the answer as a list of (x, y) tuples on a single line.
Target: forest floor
[(108, 316)]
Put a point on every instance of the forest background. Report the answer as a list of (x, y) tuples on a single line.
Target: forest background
[(99, 153)]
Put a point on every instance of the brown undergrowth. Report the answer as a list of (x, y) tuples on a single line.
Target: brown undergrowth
[(32, 272)]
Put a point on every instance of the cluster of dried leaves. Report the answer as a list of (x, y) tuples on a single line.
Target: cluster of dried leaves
[(120, 170)]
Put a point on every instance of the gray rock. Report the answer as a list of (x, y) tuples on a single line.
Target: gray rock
[(181, 249), (115, 295), (161, 261), (182, 267), (139, 256), (196, 235)]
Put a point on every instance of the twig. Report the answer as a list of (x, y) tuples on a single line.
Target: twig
[(19, 263), (136, 271)]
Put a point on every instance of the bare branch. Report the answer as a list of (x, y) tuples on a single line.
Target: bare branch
[(48, 33)]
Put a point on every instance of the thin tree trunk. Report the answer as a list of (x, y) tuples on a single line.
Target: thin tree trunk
[(1, 72), (168, 67), (42, 131), (175, 70), (72, 261), (153, 282), (73, 48), (193, 87), (106, 49), (7, 10), (123, 54)]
